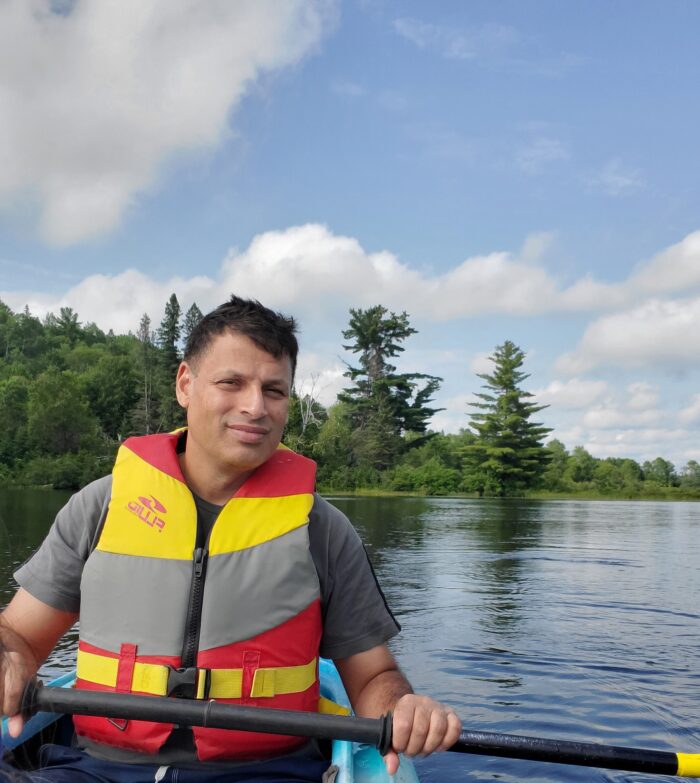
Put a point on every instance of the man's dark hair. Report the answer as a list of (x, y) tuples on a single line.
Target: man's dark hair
[(273, 332)]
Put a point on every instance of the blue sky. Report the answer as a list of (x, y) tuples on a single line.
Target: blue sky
[(499, 170)]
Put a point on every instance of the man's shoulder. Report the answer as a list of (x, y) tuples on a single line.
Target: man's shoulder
[(95, 492), (325, 513)]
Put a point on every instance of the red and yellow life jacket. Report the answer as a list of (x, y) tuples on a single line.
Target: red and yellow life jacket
[(259, 631)]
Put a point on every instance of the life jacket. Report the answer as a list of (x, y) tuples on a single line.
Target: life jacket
[(238, 621)]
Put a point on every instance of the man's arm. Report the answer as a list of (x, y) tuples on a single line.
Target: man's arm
[(29, 630), (376, 685)]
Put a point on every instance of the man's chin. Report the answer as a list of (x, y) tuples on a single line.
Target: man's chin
[(249, 458)]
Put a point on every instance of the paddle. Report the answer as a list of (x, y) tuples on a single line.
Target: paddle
[(376, 732)]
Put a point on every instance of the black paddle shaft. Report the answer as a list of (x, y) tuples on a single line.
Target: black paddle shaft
[(376, 732), (582, 754), (195, 712)]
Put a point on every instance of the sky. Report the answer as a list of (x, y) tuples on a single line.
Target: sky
[(521, 170)]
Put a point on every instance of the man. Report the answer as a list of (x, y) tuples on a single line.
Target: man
[(206, 566)]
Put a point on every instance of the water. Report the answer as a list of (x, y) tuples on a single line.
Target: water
[(568, 620)]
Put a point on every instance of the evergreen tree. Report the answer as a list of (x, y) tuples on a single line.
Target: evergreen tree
[(508, 455), (169, 332), (192, 317), (382, 404), (143, 417)]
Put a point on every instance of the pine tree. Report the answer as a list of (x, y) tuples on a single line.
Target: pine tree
[(508, 455), (192, 317), (383, 405), (169, 332)]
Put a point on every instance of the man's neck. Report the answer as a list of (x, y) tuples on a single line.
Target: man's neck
[(212, 485)]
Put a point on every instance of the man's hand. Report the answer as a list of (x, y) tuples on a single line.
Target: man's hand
[(17, 667), (421, 726), (29, 630), (375, 685)]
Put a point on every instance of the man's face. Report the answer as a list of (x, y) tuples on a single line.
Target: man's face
[(237, 398)]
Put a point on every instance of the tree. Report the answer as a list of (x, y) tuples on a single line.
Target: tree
[(660, 471), (690, 475), (59, 419), (554, 477), (67, 324), (111, 388), (169, 360), (306, 415), (192, 317), (581, 465), (143, 415), (508, 454), (383, 405), (14, 395)]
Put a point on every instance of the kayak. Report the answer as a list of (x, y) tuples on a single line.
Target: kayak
[(355, 763)]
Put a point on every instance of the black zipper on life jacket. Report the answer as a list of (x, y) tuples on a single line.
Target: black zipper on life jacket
[(194, 609)]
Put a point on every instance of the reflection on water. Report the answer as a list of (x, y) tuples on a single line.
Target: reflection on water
[(569, 620)]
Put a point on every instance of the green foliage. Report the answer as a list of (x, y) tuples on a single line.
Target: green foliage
[(69, 393), (382, 404), (67, 471), (59, 418), (306, 416), (432, 477), (14, 399), (661, 472), (690, 475), (508, 455), (111, 388), (192, 317), (171, 414)]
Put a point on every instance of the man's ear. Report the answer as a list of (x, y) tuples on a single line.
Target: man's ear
[(183, 384)]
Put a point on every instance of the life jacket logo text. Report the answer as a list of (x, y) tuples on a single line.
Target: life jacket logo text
[(148, 510)]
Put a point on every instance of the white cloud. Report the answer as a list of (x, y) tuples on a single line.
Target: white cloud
[(574, 394), (319, 379), (455, 415), (691, 413), (481, 363), (675, 269), (643, 396), (656, 332), (317, 274), (95, 99), (615, 418)]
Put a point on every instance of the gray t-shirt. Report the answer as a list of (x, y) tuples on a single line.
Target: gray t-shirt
[(355, 613)]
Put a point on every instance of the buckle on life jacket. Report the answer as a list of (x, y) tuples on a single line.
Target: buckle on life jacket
[(188, 683)]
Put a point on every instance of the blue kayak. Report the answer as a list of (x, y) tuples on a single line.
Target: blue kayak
[(355, 763)]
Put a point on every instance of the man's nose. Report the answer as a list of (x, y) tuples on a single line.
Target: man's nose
[(253, 402)]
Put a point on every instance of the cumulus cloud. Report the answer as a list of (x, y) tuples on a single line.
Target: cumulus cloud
[(675, 269), (656, 332), (95, 97), (574, 394), (306, 264), (691, 413)]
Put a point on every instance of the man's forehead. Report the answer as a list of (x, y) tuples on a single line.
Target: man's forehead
[(233, 351)]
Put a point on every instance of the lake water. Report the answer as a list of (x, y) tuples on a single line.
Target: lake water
[(561, 619)]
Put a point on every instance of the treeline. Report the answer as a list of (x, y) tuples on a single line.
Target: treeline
[(70, 393)]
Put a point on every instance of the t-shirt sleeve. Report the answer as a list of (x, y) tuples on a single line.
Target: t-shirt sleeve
[(356, 616), (53, 573)]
